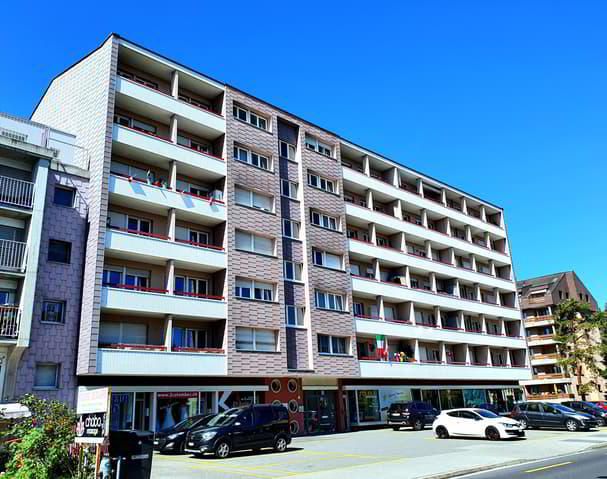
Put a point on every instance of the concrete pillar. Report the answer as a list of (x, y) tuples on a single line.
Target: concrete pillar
[(411, 309), (468, 233), (420, 187), (487, 238), (376, 269), (433, 282), (496, 293), (381, 312), (397, 210), (456, 288), (448, 226), (428, 249), (473, 262), (402, 241), (172, 224), (437, 315), (170, 276), (508, 358), (464, 205), (492, 267), (394, 177), (479, 297), (369, 199), (173, 175), (443, 196), (173, 128), (483, 213), (452, 258), (502, 327), (461, 323), (416, 350), (489, 358), (468, 356), (175, 84), (443, 353), (407, 276), (483, 323), (424, 215), (168, 331), (366, 166), (373, 233)]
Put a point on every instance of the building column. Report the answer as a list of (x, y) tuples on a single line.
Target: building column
[(487, 238), (492, 268), (456, 288), (443, 353), (395, 177), (173, 128), (478, 295), (461, 323), (452, 258), (464, 205), (428, 249), (373, 233), (424, 215), (448, 226), (175, 84), (483, 213), (168, 331), (397, 209), (170, 276), (402, 241), (407, 276), (508, 358), (416, 350), (381, 312), (496, 293), (468, 356), (489, 358), (172, 224), (420, 187), (366, 165), (376, 270), (173, 175), (502, 327), (443, 196), (468, 231), (437, 315), (433, 282), (473, 262), (483, 324), (411, 312)]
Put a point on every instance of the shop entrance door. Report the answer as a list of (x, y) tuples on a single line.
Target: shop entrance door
[(319, 411)]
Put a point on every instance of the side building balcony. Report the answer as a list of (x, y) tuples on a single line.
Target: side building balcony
[(16, 194), (10, 319)]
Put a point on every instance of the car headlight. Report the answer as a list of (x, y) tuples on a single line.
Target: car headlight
[(208, 435), (171, 437)]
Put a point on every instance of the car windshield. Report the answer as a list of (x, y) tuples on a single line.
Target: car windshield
[(485, 413), (591, 405), (186, 423), (225, 418), (562, 408)]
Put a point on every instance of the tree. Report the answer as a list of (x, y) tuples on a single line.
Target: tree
[(578, 332)]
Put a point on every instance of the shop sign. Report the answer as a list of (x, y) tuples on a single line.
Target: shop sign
[(178, 395), (92, 415), (90, 427)]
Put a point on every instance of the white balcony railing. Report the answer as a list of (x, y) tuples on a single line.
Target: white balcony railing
[(12, 255), (16, 192), (10, 317)]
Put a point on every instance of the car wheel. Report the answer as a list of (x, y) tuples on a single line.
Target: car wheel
[(492, 434), (601, 422), (571, 425), (222, 449), (395, 428), (418, 425), (280, 445), (442, 433), (524, 423)]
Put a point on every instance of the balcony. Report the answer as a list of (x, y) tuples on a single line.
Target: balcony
[(540, 359), (141, 301), (540, 339), (539, 320), (146, 147), (397, 293), (145, 247), (16, 193), (156, 362), (412, 197), (12, 255), (139, 194), (440, 371), (208, 122), (10, 317), (549, 376)]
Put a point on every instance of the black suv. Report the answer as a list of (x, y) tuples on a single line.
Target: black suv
[(589, 408), (172, 439), (553, 415), (411, 413), (238, 429)]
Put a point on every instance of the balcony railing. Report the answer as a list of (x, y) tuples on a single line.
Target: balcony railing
[(145, 289), (10, 317), (544, 396), (16, 192), (537, 319), (549, 376), (166, 238), (12, 255), (161, 348)]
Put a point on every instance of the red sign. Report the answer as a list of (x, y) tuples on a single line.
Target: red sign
[(178, 395)]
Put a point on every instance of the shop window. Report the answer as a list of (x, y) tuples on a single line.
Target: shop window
[(368, 406), (174, 407)]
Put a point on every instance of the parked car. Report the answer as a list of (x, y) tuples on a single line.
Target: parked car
[(601, 404), (172, 439), (473, 422), (589, 408), (552, 415), (251, 427), (415, 414)]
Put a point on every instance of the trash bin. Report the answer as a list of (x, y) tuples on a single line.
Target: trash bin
[(131, 454)]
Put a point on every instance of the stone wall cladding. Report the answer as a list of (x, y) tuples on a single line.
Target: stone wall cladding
[(81, 101), (58, 343)]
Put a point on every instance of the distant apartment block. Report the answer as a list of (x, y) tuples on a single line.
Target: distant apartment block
[(539, 298), (237, 253)]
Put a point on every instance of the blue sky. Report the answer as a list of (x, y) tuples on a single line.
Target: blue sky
[(505, 100)]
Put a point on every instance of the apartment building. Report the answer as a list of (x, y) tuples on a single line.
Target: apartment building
[(539, 297), (43, 206), (239, 253)]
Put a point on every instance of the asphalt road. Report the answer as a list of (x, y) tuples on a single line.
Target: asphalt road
[(586, 465)]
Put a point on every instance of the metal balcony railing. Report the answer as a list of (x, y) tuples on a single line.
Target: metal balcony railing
[(10, 317), (12, 255), (16, 192)]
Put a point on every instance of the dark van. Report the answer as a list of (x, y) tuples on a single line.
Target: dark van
[(251, 427), (415, 414)]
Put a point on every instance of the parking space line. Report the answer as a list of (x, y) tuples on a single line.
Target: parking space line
[(551, 466)]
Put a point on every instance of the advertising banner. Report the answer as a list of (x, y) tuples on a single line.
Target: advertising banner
[(92, 415)]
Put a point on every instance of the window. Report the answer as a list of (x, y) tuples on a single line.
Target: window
[(253, 199), (326, 300), (122, 333), (248, 116), (328, 260), (185, 286), (123, 169), (293, 270), (253, 339), (64, 196), (289, 189), (196, 102), (192, 236), (253, 243), (290, 228), (324, 221), (135, 124), (116, 276), (253, 289), (318, 146), (59, 251), (138, 79), (252, 158), (138, 225), (189, 338), (192, 144), (321, 183), (288, 151), (332, 344), (52, 311), (294, 315), (46, 376)]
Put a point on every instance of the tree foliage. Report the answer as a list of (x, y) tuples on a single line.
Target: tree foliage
[(578, 331)]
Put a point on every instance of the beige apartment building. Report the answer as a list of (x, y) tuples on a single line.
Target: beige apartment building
[(539, 297)]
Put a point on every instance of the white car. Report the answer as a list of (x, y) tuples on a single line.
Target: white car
[(472, 422)]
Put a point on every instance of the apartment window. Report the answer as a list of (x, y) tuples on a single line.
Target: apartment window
[(315, 144), (253, 289), (255, 339), (326, 300), (111, 332), (116, 276), (123, 169), (53, 311), (288, 151), (289, 189), (138, 79), (193, 189), (64, 196), (248, 116), (192, 144), (59, 251), (189, 338), (252, 158), (294, 315), (358, 309), (290, 228), (293, 271), (135, 124), (186, 286), (253, 243), (190, 235), (253, 199), (321, 183), (324, 221), (138, 225), (46, 376), (328, 260), (332, 344)]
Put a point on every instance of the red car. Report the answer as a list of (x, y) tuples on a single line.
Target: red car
[(601, 404)]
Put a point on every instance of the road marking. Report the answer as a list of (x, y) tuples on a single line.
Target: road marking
[(551, 466)]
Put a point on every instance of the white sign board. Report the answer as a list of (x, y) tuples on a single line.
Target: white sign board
[(92, 411)]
